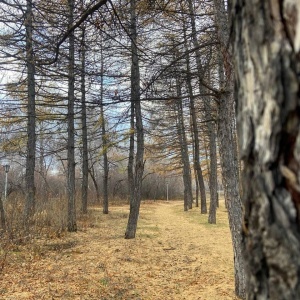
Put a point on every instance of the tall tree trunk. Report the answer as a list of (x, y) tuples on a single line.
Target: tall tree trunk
[(267, 47), (71, 130), (104, 143), (31, 130), (195, 171), (208, 108), (231, 190), (211, 110), (135, 201), (130, 166), (227, 148), (213, 177), (188, 195), (213, 183), (197, 165), (85, 160)]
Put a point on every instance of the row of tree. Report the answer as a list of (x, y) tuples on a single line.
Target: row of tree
[(63, 86), (167, 59), (153, 82)]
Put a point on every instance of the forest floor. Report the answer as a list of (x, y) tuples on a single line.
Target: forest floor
[(176, 255)]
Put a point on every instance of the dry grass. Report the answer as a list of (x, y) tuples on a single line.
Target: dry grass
[(176, 255)]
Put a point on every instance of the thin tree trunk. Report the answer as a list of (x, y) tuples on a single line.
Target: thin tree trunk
[(31, 115), (267, 47), (197, 191), (85, 160), (104, 144), (131, 154), (197, 165), (44, 186), (213, 174), (71, 130), (188, 195), (206, 156), (2, 215), (213, 186), (92, 174), (208, 108), (195, 171), (135, 201)]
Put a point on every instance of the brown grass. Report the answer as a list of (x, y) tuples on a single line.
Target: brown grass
[(176, 255)]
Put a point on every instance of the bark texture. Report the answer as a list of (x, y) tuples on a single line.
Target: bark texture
[(231, 190), (72, 226), (267, 51), (229, 165), (31, 115)]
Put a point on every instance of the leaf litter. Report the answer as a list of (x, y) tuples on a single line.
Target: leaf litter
[(176, 256)]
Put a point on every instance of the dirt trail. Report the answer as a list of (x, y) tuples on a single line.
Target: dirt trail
[(202, 255), (176, 255)]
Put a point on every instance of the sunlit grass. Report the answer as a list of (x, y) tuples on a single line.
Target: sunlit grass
[(195, 216)]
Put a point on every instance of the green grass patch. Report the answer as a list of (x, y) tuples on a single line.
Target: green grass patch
[(104, 281), (195, 216), (146, 228)]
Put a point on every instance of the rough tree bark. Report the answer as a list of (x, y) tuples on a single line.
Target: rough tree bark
[(227, 148), (71, 130), (267, 51), (31, 115)]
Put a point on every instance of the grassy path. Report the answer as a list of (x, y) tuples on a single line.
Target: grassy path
[(176, 255)]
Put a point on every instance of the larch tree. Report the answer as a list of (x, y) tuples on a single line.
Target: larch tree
[(104, 137), (227, 149), (184, 153), (202, 71), (85, 160), (72, 226), (135, 199), (31, 142), (266, 39), (194, 125)]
